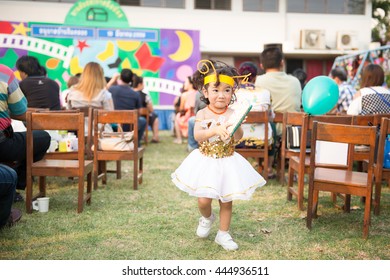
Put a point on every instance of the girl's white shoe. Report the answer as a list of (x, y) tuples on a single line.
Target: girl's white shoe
[(224, 239), (204, 226)]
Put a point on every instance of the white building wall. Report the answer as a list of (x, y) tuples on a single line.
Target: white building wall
[(221, 32)]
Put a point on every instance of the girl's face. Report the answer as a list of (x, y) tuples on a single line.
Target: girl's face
[(219, 96)]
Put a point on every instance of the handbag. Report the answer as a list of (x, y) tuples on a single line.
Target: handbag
[(116, 141), (293, 137)]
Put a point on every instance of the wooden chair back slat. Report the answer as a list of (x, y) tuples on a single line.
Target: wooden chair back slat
[(260, 153)]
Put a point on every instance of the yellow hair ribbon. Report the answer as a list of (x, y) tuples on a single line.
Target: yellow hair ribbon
[(229, 80), (222, 78)]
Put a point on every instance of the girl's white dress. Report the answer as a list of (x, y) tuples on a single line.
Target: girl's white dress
[(216, 171)]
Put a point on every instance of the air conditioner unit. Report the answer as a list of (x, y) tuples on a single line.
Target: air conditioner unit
[(347, 40), (312, 39)]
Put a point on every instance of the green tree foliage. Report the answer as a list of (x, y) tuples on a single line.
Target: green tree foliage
[(381, 17)]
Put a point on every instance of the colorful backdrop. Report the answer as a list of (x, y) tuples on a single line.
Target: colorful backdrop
[(98, 31)]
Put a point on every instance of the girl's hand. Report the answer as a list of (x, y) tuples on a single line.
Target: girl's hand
[(222, 132)]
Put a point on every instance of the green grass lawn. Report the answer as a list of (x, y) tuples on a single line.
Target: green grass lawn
[(158, 222)]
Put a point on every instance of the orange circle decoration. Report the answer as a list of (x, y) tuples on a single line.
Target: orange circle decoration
[(52, 63)]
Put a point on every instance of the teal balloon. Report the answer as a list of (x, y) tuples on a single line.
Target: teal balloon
[(320, 95)]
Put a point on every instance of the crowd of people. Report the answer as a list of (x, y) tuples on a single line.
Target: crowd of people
[(124, 91), (202, 114)]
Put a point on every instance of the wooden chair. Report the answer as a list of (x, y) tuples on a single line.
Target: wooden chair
[(289, 119), (328, 177), (260, 153), (120, 117), (366, 120), (88, 113), (380, 172), (72, 167), (300, 163), (145, 113)]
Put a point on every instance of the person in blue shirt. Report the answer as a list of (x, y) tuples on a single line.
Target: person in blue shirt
[(125, 98)]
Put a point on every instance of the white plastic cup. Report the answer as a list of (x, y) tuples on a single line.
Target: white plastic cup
[(41, 204), (53, 146)]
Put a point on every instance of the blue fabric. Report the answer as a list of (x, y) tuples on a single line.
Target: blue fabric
[(192, 143), (165, 118), (8, 181), (125, 98)]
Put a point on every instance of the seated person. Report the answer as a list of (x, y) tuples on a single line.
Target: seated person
[(146, 102), (8, 181), (260, 100), (13, 144), (187, 103), (125, 98), (199, 104), (39, 90)]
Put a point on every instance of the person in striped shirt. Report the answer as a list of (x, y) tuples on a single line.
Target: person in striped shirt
[(13, 104)]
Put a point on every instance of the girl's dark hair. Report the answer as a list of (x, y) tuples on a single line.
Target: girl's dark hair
[(372, 75), (207, 69)]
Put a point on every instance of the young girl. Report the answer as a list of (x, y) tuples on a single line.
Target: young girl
[(215, 171)]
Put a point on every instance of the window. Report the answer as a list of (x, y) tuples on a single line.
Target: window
[(260, 5), (355, 7), (60, 1), (129, 2), (153, 3), (213, 4)]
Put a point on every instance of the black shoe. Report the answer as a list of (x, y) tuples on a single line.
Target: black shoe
[(18, 197), (14, 217)]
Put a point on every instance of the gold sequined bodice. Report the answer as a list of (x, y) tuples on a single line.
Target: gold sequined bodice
[(215, 147)]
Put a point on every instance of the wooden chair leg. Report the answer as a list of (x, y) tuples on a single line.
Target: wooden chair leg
[(80, 201), (367, 215), (42, 186), (29, 192), (118, 169), (290, 183), (347, 203), (95, 174), (265, 169), (141, 170), (378, 190), (282, 170), (301, 184), (334, 198), (315, 203), (89, 188), (135, 174), (103, 168), (309, 216)]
